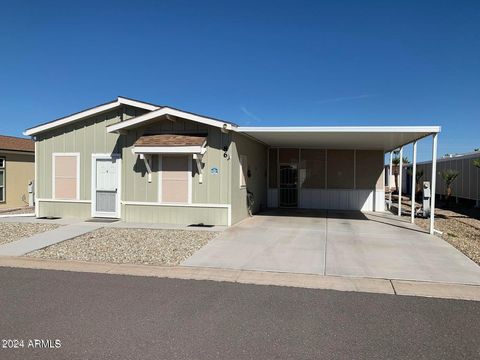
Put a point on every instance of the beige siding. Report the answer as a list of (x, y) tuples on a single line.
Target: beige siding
[(213, 190), (64, 209), (86, 138), (19, 172), (175, 215), (257, 183), (90, 136)]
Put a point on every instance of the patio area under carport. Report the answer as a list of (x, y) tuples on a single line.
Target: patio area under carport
[(340, 243)]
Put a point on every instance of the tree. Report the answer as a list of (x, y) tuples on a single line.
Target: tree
[(396, 166), (476, 163), (449, 177)]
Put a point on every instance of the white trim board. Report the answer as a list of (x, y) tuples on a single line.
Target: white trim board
[(150, 203), (89, 112), (408, 129), (75, 154), (168, 150), (64, 201)]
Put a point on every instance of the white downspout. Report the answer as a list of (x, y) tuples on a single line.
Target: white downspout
[(414, 180), (434, 183)]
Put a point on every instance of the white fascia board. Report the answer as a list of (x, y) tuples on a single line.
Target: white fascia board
[(167, 149), (83, 114), (340, 129), (72, 118), (168, 111)]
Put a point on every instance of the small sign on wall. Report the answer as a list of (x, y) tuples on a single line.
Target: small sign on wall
[(214, 171)]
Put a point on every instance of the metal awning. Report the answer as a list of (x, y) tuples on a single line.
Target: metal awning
[(386, 138)]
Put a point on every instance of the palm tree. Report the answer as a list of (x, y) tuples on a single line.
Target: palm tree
[(395, 168), (449, 177)]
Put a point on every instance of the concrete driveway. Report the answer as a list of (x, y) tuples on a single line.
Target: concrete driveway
[(377, 245)]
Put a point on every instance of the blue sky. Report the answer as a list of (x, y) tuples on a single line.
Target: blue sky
[(254, 63)]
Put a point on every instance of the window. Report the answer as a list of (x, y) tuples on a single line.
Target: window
[(2, 180), (312, 169), (66, 181), (175, 184), (340, 164), (243, 171)]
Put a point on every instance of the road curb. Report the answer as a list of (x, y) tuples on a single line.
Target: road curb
[(311, 281)]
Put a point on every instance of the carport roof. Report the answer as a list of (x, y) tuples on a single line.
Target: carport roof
[(386, 138)]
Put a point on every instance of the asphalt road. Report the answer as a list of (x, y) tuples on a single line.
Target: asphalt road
[(97, 316)]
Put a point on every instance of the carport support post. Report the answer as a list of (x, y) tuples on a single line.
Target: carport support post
[(414, 180), (434, 183), (400, 180)]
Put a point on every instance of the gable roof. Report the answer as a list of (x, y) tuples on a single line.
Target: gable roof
[(89, 112), (13, 143), (169, 111)]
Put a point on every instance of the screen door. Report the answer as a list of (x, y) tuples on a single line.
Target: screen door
[(106, 187)]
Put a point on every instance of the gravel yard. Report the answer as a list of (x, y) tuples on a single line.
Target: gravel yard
[(14, 231), (16, 211), (460, 229), (134, 246)]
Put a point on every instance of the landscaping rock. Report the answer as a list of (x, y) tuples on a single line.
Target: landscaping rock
[(134, 246)]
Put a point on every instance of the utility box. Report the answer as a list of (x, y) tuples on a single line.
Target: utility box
[(31, 193), (426, 198)]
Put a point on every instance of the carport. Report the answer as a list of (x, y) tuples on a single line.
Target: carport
[(337, 168), (313, 234)]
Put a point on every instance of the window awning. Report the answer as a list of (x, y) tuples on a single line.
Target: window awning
[(170, 143)]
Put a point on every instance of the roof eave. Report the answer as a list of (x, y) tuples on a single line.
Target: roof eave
[(349, 129), (142, 119)]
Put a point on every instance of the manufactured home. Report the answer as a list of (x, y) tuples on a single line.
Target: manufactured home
[(142, 162), (17, 160)]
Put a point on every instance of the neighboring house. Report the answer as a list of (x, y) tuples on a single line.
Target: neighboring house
[(148, 163), (465, 186), (17, 158)]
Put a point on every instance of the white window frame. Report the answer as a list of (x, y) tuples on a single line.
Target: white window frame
[(3, 171), (243, 172), (160, 180), (54, 156)]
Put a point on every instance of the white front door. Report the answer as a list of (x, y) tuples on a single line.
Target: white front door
[(105, 186)]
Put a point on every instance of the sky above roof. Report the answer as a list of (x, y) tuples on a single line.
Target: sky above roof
[(254, 63)]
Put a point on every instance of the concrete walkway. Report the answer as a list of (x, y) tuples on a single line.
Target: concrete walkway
[(39, 241), (349, 244), (367, 285)]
